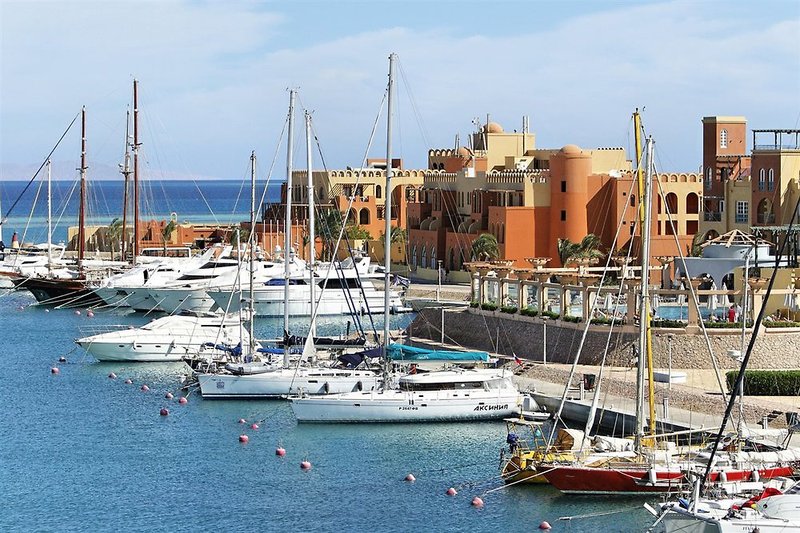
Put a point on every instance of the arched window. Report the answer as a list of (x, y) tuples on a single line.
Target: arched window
[(723, 139), (692, 204), (762, 180), (502, 232), (764, 214), (672, 203), (378, 191), (709, 177), (363, 217), (453, 265), (414, 255), (771, 180), (433, 257), (423, 262)]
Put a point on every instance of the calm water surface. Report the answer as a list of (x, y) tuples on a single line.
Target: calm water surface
[(82, 452)]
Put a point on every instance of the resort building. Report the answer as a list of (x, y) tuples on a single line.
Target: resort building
[(529, 198)]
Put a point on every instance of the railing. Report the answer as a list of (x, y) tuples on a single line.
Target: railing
[(776, 147), (766, 218), (712, 216)]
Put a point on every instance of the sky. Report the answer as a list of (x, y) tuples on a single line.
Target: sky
[(213, 77)]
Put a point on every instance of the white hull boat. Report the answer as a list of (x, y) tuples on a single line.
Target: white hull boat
[(166, 339), (440, 396)]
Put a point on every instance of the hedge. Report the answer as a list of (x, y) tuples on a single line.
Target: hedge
[(489, 306), (665, 323), (781, 324), (606, 320), (574, 319), (550, 314), (767, 382), (474, 303), (510, 309), (529, 311)]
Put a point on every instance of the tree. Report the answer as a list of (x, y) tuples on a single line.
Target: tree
[(166, 233), (485, 248), (114, 233), (588, 248), (328, 225)]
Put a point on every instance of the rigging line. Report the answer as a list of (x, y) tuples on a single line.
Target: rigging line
[(33, 207), (272, 165), (695, 300), (19, 197), (413, 102)]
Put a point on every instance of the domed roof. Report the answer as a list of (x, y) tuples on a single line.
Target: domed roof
[(493, 127), (571, 149)]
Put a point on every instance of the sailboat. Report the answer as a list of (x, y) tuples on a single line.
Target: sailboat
[(642, 466), (268, 379), (446, 395)]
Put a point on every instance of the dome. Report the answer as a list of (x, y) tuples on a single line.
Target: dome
[(493, 127), (571, 149), (464, 152)]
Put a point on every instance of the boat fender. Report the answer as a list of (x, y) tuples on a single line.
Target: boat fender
[(723, 477), (651, 475), (755, 476)]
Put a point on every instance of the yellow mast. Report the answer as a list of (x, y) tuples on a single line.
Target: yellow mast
[(637, 127)]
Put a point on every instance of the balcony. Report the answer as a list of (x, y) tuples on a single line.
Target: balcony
[(766, 218), (712, 216)]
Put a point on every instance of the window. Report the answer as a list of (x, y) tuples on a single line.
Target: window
[(563, 186), (709, 175), (633, 200), (563, 216), (378, 191), (762, 180), (771, 180), (722, 206), (742, 212), (723, 139)]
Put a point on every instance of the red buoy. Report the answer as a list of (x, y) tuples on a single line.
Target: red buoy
[(112, 376), (254, 426), (128, 382), (305, 465), (280, 452), (184, 400), (410, 478), (62, 359), (242, 421), (477, 501), (164, 411), (55, 370), (545, 526), (90, 314), (145, 388), (244, 439), (168, 396), (451, 492)]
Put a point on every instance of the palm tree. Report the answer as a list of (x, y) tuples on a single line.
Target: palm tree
[(328, 225), (695, 249), (114, 232), (166, 233), (588, 248), (485, 248)]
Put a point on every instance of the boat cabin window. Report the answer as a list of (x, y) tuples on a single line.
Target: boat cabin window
[(458, 385), (350, 283), (278, 282)]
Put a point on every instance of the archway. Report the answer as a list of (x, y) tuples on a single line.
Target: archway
[(692, 203), (363, 217)]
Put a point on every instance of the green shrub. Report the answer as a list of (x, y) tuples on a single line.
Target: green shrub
[(489, 306), (550, 314), (573, 319), (722, 325), (767, 382), (474, 304), (529, 311), (510, 309), (780, 324), (606, 320), (666, 323)]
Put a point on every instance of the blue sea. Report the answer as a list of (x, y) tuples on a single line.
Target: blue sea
[(82, 452)]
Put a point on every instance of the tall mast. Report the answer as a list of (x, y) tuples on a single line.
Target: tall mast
[(49, 218), (252, 243), (311, 229), (645, 360), (135, 170), (387, 237), (126, 172), (287, 240), (82, 204)]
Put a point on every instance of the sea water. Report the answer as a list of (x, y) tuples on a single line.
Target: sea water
[(82, 452)]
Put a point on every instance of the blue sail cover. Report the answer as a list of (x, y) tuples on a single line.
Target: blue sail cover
[(403, 352)]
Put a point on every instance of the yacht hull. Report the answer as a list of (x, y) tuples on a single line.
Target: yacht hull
[(284, 381)]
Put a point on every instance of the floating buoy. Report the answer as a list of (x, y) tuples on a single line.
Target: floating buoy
[(90, 314), (244, 439), (280, 452), (46, 310), (184, 400), (62, 359), (164, 411), (112, 376), (410, 478), (242, 421), (305, 465), (545, 526), (168, 396), (128, 382), (451, 491), (254, 426), (77, 312), (477, 501), (145, 388), (55, 370), (21, 308)]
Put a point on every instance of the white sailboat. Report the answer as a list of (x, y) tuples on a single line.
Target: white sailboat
[(445, 395), (267, 378)]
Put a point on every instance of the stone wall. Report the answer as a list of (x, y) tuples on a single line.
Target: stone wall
[(524, 336)]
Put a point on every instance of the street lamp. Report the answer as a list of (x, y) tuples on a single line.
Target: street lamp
[(439, 280)]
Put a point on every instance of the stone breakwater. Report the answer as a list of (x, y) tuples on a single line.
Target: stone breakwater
[(524, 337)]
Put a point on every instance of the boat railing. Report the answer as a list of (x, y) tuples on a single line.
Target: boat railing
[(87, 331)]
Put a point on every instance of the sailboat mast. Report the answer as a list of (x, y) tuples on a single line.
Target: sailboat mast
[(311, 229), (82, 204), (135, 170), (252, 242), (644, 307), (49, 219), (387, 237), (287, 239), (126, 172)]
